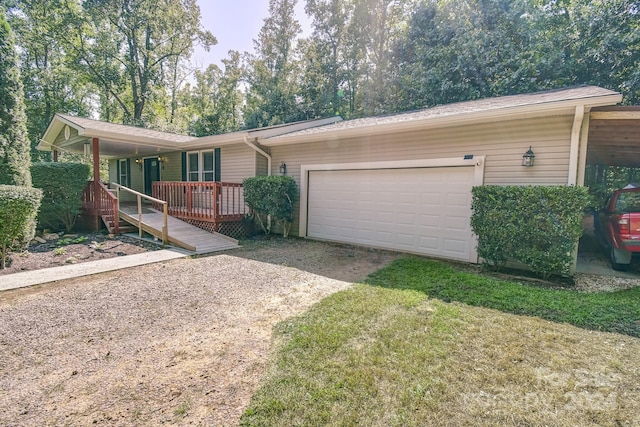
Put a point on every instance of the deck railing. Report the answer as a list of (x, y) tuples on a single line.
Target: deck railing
[(202, 201), (106, 206)]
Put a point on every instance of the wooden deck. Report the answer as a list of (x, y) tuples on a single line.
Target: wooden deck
[(179, 232)]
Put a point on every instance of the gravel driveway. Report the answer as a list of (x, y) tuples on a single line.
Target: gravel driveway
[(183, 342)]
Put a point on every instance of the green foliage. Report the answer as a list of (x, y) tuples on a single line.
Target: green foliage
[(62, 185), (271, 195), (538, 226), (14, 143), (607, 311), (18, 210)]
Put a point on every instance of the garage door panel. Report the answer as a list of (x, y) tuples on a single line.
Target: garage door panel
[(422, 210)]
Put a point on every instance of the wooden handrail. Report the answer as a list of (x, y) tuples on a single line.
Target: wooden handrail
[(156, 202), (106, 205)]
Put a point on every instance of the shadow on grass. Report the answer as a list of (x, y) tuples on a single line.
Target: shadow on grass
[(612, 312)]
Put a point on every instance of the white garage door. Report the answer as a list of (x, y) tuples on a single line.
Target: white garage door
[(420, 210)]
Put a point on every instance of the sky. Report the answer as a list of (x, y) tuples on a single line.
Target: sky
[(235, 23)]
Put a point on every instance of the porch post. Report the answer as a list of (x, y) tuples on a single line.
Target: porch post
[(96, 172), (55, 156)]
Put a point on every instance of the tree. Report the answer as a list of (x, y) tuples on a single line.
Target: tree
[(125, 47), (271, 71), (217, 98), (50, 85), (14, 142)]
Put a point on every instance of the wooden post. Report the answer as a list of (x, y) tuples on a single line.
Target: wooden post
[(55, 156), (96, 175), (165, 228), (139, 216)]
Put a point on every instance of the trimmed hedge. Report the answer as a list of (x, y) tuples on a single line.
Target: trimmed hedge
[(271, 195), (18, 210), (538, 226), (62, 185)]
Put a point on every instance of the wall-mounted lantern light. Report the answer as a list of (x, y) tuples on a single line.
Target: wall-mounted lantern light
[(528, 158), (139, 162), (283, 168)]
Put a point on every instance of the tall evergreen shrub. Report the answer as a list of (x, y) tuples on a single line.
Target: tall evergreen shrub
[(62, 185), (15, 155), (18, 210)]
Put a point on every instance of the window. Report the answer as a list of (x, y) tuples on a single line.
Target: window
[(123, 172), (201, 166), (193, 166), (207, 166)]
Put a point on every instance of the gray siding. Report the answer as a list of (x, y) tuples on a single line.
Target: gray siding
[(503, 144), (261, 165), (237, 163)]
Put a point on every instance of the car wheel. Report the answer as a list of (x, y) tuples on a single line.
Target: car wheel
[(614, 264)]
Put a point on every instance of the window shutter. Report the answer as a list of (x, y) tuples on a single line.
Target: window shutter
[(217, 162), (118, 171), (128, 184), (184, 166)]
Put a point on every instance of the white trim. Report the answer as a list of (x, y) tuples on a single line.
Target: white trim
[(576, 131), (201, 170), (476, 162), (584, 146)]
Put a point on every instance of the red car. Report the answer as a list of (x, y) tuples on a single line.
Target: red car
[(617, 225)]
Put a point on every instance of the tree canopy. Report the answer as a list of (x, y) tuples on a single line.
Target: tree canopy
[(128, 61)]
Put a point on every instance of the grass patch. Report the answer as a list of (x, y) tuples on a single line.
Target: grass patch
[(387, 354), (610, 311), (344, 355)]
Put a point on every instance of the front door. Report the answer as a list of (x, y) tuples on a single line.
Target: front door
[(151, 173)]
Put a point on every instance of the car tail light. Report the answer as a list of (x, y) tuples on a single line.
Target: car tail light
[(623, 222)]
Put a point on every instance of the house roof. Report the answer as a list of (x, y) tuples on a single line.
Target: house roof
[(550, 102), (70, 133)]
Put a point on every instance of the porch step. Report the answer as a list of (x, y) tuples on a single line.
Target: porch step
[(123, 226)]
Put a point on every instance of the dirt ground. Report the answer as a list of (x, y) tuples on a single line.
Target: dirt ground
[(183, 342), (55, 249)]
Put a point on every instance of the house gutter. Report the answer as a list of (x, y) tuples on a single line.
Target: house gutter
[(257, 149)]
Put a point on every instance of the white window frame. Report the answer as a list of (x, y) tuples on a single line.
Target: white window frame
[(123, 177), (200, 166)]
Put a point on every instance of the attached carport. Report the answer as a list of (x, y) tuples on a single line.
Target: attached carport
[(614, 136), (613, 141)]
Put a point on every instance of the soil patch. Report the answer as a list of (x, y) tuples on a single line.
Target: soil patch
[(53, 250)]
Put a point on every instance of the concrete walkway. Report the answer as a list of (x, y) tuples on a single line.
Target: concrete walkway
[(46, 275)]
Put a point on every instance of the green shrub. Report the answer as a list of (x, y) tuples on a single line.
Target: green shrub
[(271, 195), (62, 185), (18, 210), (536, 225)]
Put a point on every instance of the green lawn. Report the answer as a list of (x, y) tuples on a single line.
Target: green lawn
[(409, 348), (612, 311)]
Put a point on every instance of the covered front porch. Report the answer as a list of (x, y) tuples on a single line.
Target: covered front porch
[(210, 205)]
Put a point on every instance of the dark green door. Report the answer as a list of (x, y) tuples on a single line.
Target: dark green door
[(151, 173)]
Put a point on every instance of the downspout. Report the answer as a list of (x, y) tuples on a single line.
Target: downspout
[(259, 150)]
